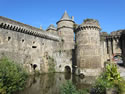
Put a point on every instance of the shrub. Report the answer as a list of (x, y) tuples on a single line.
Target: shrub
[(110, 78), (111, 73), (12, 76), (120, 85)]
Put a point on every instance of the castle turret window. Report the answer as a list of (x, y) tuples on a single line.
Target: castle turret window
[(9, 38), (22, 40)]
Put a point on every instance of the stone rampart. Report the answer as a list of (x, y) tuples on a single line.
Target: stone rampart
[(23, 28)]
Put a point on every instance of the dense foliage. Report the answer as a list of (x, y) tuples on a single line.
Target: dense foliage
[(12, 76), (110, 78), (69, 88)]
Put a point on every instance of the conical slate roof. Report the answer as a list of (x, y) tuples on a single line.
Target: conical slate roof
[(51, 27), (65, 16)]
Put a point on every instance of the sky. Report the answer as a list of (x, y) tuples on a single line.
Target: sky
[(109, 13)]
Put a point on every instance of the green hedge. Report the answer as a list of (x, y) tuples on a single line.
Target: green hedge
[(12, 76)]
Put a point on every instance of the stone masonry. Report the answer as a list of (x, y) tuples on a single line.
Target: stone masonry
[(88, 47), (56, 49)]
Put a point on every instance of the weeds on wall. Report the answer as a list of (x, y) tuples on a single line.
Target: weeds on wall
[(12, 76), (51, 64)]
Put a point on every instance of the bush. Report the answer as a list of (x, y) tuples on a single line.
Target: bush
[(120, 85), (110, 78), (12, 76), (111, 73)]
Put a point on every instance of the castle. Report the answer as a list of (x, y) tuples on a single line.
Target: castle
[(80, 49)]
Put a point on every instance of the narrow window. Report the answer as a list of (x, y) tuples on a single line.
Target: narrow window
[(33, 42), (34, 46), (9, 38), (22, 40)]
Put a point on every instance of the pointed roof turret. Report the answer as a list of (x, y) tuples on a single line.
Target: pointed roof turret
[(90, 23), (65, 16), (51, 27)]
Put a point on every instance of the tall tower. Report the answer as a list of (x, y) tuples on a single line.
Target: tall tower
[(88, 48), (66, 31)]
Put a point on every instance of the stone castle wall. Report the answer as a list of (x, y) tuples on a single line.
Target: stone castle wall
[(111, 45), (30, 46), (55, 50)]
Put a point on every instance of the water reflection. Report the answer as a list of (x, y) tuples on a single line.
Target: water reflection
[(51, 83)]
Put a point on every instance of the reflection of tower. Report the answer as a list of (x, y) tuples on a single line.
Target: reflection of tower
[(65, 29), (88, 47)]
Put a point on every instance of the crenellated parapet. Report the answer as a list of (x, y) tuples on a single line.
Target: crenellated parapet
[(113, 35), (9, 24), (112, 42), (89, 24)]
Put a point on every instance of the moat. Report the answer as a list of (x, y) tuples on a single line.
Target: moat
[(51, 83)]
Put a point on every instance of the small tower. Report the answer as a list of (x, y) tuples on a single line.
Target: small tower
[(88, 48), (51, 29), (66, 31)]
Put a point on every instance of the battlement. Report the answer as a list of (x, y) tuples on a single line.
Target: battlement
[(114, 34), (9, 24), (89, 24)]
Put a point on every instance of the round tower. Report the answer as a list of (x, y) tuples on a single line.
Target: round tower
[(66, 31), (88, 48)]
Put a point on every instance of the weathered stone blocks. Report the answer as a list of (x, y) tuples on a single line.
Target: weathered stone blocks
[(88, 46)]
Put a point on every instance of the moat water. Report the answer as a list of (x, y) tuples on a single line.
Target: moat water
[(51, 83)]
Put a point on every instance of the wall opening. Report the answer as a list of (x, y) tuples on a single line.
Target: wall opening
[(9, 38), (22, 40), (67, 69), (67, 72), (33, 42), (59, 66), (34, 46), (34, 66)]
